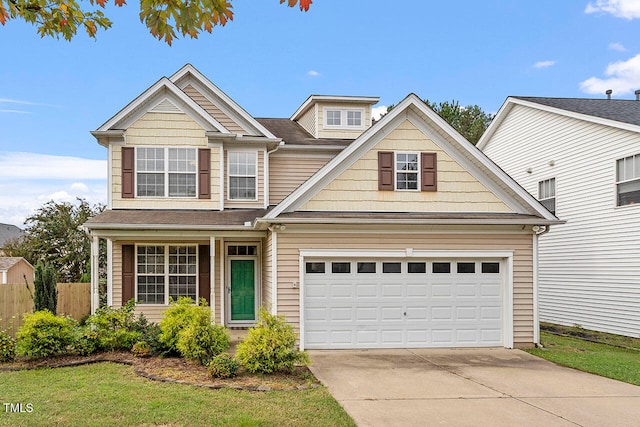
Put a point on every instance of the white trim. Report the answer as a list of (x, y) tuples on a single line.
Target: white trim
[(536, 301), (344, 113), (95, 268), (110, 176), (274, 273), (166, 172), (257, 286), (417, 172), (223, 177), (265, 177), (4, 277), (228, 175), (223, 285), (109, 273), (408, 253), (212, 277)]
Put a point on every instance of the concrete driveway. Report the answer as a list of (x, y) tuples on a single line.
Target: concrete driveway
[(470, 387)]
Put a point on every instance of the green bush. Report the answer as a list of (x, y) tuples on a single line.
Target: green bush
[(223, 365), (85, 341), (7, 347), (46, 289), (186, 329), (270, 346), (45, 334), (141, 349), (150, 333), (114, 328)]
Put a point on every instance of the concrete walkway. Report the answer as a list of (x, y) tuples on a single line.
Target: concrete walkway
[(470, 387)]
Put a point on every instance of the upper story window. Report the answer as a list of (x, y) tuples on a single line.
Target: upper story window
[(166, 172), (344, 118), (547, 194), (243, 170), (628, 180), (407, 171)]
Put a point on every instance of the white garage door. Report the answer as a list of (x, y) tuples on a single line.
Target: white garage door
[(360, 303)]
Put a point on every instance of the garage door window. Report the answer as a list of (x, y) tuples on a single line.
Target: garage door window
[(315, 268), (441, 267), (417, 267), (491, 267), (366, 267), (466, 267), (341, 267), (392, 267)]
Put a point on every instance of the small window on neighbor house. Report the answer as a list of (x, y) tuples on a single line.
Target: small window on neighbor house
[(366, 267), (441, 267), (392, 267), (417, 267), (314, 267), (547, 194), (466, 267), (628, 180), (341, 267), (490, 267)]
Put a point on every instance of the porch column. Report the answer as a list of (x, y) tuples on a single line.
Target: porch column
[(95, 269), (109, 273), (212, 277)]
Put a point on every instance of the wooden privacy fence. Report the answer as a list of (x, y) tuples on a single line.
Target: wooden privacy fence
[(74, 299)]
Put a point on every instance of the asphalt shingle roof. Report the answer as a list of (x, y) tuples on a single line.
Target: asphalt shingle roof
[(620, 110), (292, 133), (7, 262)]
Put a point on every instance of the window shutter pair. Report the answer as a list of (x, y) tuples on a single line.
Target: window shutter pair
[(129, 273), (128, 173), (386, 171)]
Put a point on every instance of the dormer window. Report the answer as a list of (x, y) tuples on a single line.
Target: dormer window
[(343, 118)]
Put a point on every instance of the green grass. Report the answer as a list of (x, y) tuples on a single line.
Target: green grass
[(597, 358), (107, 394)]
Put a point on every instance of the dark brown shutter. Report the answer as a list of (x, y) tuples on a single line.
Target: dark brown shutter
[(204, 173), (385, 170), (429, 172), (128, 160), (128, 273), (204, 272)]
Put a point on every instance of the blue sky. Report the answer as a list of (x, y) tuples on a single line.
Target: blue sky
[(270, 58)]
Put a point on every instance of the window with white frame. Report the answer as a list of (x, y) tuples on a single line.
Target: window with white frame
[(407, 171), (547, 194), (344, 118), (166, 271), (243, 170), (628, 180), (166, 172)]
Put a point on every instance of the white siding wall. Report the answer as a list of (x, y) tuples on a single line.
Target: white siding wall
[(589, 268)]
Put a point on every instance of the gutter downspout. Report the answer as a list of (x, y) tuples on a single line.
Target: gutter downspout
[(266, 173), (536, 311)]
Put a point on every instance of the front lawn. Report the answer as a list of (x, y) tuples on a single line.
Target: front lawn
[(595, 357), (106, 394)]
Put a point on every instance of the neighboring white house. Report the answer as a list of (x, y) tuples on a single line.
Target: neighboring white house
[(581, 159)]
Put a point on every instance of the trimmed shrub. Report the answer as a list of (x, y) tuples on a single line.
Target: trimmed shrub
[(223, 365), (114, 328), (7, 347), (44, 334), (270, 346), (186, 329), (46, 291), (150, 333), (141, 349), (85, 341)]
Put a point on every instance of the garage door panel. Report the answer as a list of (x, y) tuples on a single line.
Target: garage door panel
[(402, 307)]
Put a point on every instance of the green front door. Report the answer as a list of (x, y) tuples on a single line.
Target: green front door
[(243, 292)]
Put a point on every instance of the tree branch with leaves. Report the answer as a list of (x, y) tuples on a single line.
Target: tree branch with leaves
[(165, 19)]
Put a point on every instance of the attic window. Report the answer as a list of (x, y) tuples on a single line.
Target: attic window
[(343, 118), (398, 171), (547, 194)]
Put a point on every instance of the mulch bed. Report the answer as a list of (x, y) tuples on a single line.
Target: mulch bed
[(178, 370)]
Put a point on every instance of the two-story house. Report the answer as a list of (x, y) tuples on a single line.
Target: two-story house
[(398, 233), (581, 158)]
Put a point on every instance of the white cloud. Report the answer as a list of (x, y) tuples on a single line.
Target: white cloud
[(29, 180), (15, 101), (622, 77), (313, 73), (627, 9), (377, 112), (544, 64), (15, 111), (44, 166), (617, 46)]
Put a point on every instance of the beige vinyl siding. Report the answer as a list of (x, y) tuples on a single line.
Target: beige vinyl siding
[(342, 133), (288, 171), (357, 187), (290, 243), (164, 129), (18, 271), (155, 313), (215, 112), (267, 271), (309, 121), (260, 182), (588, 267)]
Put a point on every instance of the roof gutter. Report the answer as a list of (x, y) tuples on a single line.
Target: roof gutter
[(433, 221)]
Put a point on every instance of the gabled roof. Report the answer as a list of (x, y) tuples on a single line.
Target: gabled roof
[(292, 133), (333, 99), (414, 109), (7, 232), (7, 262), (619, 113)]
